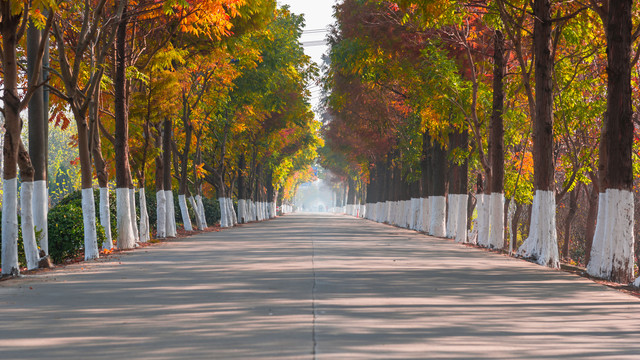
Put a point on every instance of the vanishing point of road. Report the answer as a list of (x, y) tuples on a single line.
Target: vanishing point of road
[(314, 287)]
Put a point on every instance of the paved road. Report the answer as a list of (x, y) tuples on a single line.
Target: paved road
[(307, 287)]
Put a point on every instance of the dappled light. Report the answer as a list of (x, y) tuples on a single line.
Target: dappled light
[(304, 284)]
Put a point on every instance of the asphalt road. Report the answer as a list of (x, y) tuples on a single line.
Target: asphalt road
[(314, 287)]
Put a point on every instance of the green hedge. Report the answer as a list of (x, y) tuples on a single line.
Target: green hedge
[(66, 232)]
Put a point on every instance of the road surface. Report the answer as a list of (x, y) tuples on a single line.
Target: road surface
[(314, 287)]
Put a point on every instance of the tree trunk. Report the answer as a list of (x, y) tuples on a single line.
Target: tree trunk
[(514, 225), (26, 213), (88, 204), (427, 185), (101, 170), (170, 218), (496, 151), (161, 207), (542, 244), (271, 201), (592, 213), (126, 239), (616, 252), (37, 150), (13, 125), (573, 208), (184, 161), (438, 180), (242, 191)]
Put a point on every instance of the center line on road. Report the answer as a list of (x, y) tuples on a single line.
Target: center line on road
[(313, 298)]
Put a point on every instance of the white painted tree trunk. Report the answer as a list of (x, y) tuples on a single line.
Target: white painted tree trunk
[(372, 212), (126, 239), (40, 205), (419, 211), (232, 212), (192, 201), (242, 213), (105, 218), (161, 216), (257, 213), (386, 212), (452, 214), (203, 215), (596, 259), (461, 229), (170, 214), (496, 223), (186, 221), (89, 217), (224, 219), (472, 234), (438, 215), (416, 214), (406, 214), (229, 211), (484, 216), (26, 217), (395, 213), (132, 208), (510, 213), (426, 215), (144, 217), (10, 227), (542, 243), (616, 246)]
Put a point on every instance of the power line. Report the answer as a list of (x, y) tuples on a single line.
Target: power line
[(314, 43), (314, 31)]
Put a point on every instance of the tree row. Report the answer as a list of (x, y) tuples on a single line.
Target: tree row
[(473, 120), (208, 97)]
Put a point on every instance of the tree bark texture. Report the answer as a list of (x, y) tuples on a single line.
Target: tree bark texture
[(123, 171), (166, 153), (543, 119), (618, 135), (496, 132), (37, 117)]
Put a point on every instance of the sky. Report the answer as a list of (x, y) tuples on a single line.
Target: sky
[(318, 15)]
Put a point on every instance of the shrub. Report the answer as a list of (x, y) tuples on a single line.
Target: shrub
[(66, 231), (75, 198), (211, 210)]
